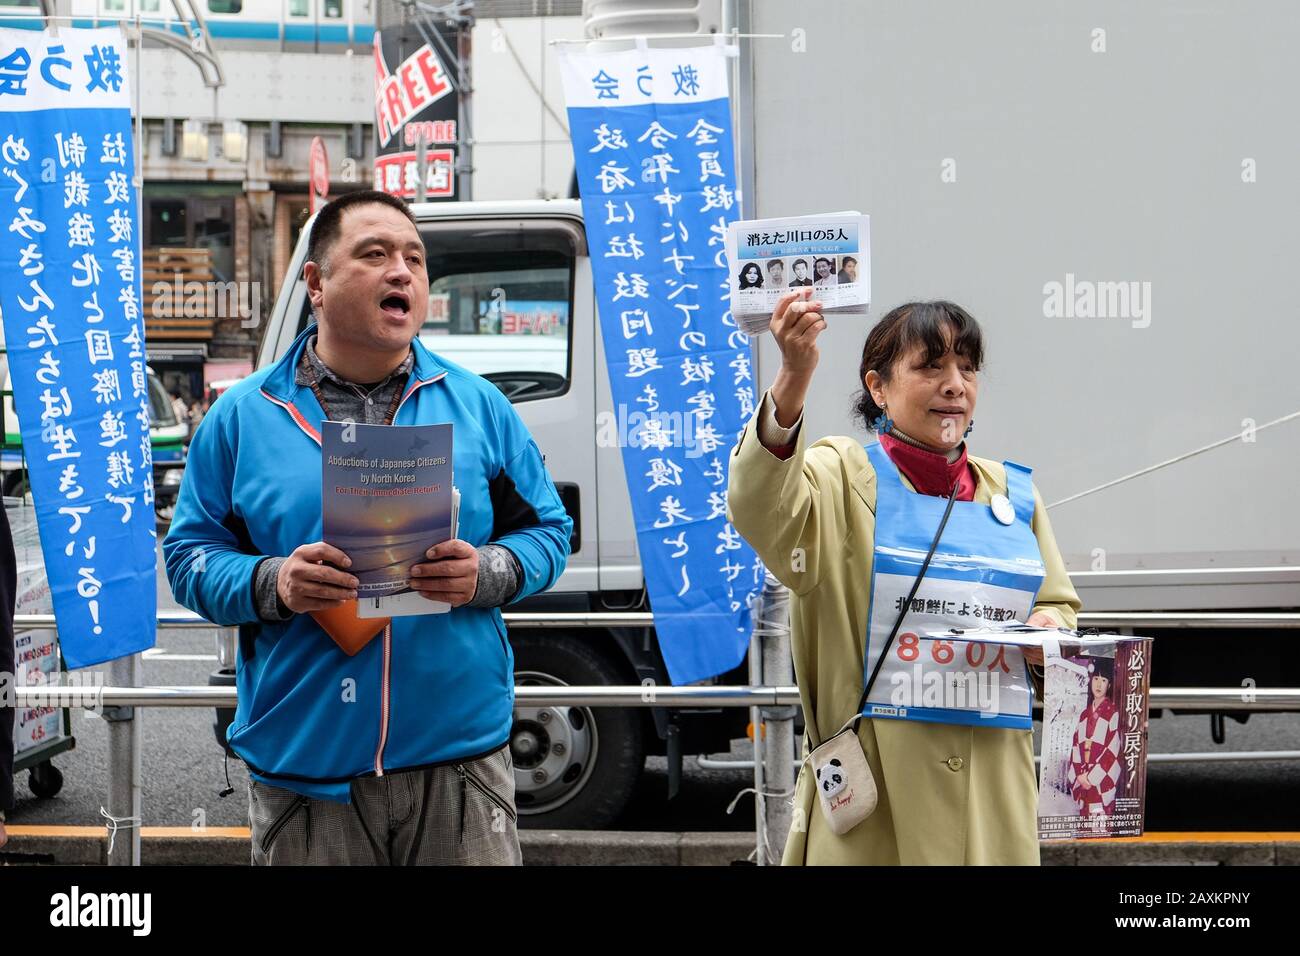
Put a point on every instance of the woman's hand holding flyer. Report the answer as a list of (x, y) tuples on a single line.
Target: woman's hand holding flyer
[(768, 258)]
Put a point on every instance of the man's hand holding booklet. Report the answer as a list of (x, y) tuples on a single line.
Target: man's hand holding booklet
[(389, 505)]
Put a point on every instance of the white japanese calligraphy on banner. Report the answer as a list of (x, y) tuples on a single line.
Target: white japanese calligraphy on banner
[(74, 332), (651, 131)]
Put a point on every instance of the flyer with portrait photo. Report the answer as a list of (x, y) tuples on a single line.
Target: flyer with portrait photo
[(1092, 778), (1096, 687), (387, 498), (768, 258)]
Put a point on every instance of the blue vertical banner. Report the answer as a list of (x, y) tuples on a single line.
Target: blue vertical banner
[(70, 292), (651, 131)]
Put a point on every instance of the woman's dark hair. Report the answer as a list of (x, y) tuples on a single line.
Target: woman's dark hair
[(1103, 667), (758, 274), (933, 325)]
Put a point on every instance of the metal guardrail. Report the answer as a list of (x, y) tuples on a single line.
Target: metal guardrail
[(93, 698), (1202, 756), (1206, 620), (125, 733), (1209, 620), (1181, 698)]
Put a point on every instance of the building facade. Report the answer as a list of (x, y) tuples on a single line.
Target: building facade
[(230, 109)]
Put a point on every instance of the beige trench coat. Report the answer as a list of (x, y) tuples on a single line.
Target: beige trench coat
[(948, 794)]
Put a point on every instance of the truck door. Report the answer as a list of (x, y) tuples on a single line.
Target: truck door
[(502, 303)]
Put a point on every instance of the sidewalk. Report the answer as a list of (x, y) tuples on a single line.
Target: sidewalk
[(228, 846)]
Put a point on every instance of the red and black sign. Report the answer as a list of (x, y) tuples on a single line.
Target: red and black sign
[(397, 173), (415, 94)]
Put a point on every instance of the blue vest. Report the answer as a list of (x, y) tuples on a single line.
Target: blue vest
[(983, 572)]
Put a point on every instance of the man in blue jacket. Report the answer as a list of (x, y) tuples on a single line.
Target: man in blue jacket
[(399, 754)]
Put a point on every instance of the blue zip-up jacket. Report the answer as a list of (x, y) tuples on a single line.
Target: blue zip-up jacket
[(429, 690)]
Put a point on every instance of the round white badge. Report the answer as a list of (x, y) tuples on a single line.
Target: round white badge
[(1002, 509)]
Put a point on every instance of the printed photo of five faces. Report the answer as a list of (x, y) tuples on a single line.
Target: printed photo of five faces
[(794, 272)]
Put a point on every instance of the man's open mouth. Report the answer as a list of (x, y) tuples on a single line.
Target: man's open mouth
[(396, 305)]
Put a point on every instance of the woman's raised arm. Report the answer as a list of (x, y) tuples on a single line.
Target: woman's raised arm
[(789, 504)]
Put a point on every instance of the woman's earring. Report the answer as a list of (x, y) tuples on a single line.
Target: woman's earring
[(883, 423), (969, 428)]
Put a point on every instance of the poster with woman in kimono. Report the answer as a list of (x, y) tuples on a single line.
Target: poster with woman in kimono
[(1094, 769), (1095, 714)]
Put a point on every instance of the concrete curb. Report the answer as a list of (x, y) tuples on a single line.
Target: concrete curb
[(179, 846), (610, 847)]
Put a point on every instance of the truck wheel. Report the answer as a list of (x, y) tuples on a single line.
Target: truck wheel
[(162, 515), (575, 767), (45, 780), (225, 715), (16, 484)]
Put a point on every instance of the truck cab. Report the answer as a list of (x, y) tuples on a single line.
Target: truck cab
[(511, 298)]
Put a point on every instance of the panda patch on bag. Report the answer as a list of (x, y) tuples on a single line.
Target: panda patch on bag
[(845, 785), (830, 778)]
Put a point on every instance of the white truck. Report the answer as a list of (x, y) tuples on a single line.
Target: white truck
[(1056, 179), (1092, 184)]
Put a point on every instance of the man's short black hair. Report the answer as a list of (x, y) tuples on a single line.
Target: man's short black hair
[(329, 221)]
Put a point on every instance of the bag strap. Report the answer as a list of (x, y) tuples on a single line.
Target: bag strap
[(925, 566)]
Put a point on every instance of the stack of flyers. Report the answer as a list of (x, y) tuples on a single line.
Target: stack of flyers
[(768, 258)]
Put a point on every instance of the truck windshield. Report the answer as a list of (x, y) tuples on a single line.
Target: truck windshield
[(499, 304)]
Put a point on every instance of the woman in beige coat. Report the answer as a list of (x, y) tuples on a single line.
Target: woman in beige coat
[(949, 793)]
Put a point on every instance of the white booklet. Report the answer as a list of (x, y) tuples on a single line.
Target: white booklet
[(767, 258)]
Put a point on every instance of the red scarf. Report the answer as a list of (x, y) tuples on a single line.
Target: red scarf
[(929, 472)]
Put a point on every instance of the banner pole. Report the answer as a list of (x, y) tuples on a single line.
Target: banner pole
[(124, 731)]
